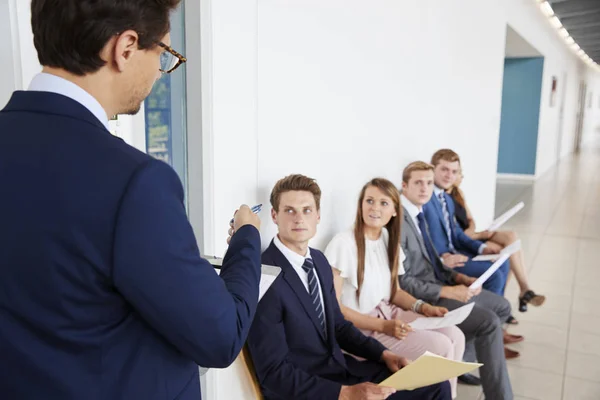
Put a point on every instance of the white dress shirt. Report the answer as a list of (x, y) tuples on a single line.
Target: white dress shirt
[(296, 260), (437, 191), (413, 211), (44, 82)]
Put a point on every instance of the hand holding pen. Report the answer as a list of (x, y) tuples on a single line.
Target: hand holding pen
[(244, 216)]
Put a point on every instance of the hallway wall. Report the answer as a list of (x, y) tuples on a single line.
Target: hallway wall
[(7, 56), (591, 126)]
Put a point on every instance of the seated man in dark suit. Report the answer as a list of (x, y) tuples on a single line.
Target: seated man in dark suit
[(449, 240), (428, 279), (299, 332)]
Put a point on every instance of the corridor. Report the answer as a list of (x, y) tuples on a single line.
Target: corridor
[(560, 230)]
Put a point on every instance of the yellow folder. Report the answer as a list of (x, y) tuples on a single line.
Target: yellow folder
[(428, 370)]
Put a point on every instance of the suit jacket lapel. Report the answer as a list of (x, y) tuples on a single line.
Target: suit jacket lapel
[(440, 212), (293, 280), (411, 223), (450, 205)]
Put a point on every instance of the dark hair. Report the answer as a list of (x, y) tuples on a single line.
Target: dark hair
[(393, 227), (458, 196), (295, 183), (70, 34)]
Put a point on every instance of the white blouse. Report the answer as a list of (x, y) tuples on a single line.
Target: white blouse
[(341, 253)]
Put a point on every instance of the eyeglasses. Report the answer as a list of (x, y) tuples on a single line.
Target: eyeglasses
[(170, 60)]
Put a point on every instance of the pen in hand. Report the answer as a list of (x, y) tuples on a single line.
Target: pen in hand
[(256, 209)]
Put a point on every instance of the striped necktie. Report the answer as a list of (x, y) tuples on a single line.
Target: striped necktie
[(447, 221), (315, 294)]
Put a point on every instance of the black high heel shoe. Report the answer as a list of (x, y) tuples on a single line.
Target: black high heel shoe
[(530, 297)]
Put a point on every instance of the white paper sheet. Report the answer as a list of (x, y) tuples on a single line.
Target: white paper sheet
[(265, 283), (268, 274), (501, 220), (510, 250), (452, 318), (486, 275)]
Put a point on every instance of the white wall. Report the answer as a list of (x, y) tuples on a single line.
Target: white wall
[(348, 91), (18, 57), (591, 126), (7, 52), (29, 64)]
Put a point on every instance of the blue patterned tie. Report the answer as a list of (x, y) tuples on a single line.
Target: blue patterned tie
[(315, 294), (433, 256), (447, 221)]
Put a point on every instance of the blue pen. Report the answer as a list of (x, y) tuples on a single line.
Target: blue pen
[(256, 209)]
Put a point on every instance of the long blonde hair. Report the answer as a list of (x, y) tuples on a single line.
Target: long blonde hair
[(393, 227)]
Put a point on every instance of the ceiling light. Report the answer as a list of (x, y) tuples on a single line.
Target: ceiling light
[(570, 40), (556, 22), (563, 32), (547, 9)]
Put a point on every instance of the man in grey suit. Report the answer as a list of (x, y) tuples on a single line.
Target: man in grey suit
[(428, 279)]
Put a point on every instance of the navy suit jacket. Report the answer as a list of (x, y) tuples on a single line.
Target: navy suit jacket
[(103, 293), (293, 360), (434, 216)]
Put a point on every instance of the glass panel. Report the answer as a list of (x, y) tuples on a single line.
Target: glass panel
[(165, 111)]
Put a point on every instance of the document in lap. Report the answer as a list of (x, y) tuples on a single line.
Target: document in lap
[(426, 370), (510, 250), (501, 220), (268, 274), (490, 271), (452, 318)]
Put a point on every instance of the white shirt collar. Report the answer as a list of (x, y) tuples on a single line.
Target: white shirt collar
[(294, 258), (44, 82), (412, 209), (437, 190)]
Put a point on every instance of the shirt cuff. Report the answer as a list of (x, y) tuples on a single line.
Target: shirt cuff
[(483, 246)]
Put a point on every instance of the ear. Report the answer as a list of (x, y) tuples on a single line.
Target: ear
[(318, 216), (404, 185), (274, 216), (125, 47)]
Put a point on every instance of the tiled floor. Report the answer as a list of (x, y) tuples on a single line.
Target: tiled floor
[(560, 229)]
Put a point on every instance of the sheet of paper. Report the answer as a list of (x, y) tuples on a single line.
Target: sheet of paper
[(265, 283), (428, 370), (452, 318), (501, 220), (510, 250), (486, 275), (486, 257), (268, 274)]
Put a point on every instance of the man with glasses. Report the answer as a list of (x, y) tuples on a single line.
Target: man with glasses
[(103, 293)]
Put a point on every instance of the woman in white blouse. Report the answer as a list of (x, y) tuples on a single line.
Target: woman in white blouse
[(366, 263)]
